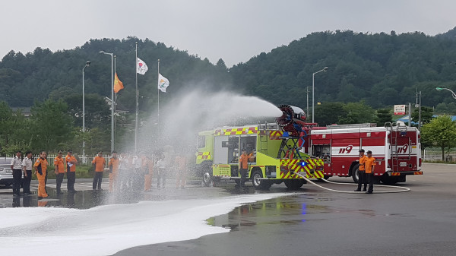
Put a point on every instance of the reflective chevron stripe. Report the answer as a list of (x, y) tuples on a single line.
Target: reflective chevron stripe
[(204, 156), (237, 131)]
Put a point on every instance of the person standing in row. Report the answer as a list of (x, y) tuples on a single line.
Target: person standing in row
[(123, 171), (370, 169), (71, 170), (16, 168), (27, 166), (362, 179), (59, 171), (148, 176), (113, 172), (99, 163), (161, 171), (181, 165), (41, 165), (136, 177)]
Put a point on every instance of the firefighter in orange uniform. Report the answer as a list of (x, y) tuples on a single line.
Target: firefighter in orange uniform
[(243, 167), (71, 162), (370, 169), (99, 163), (148, 175), (113, 172), (40, 171), (362, 179), (59, 171), (181, 164)]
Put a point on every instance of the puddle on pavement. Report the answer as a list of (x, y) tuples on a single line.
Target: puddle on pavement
[(89, 198), (282, 210)]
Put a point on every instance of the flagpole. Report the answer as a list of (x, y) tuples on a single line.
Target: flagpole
[(114, 105), (137, 105), (158, 92)]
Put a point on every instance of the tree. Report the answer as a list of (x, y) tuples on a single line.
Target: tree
[(221, 64), (97, 112), (426, 115), (440, 131), (357, 113), (328, 113), (52, 125), (384, 116), (5, 116)]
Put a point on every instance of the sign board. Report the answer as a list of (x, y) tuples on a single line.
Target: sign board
[(399, 110)]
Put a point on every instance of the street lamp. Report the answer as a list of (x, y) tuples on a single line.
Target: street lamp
[(452, 93), (112, 97), (83, 109), (313, 92)]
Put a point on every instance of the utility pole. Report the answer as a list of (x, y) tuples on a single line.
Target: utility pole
[(410, 115), (418, 105)]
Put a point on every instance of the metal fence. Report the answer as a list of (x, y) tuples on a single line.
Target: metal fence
[(433, 155)]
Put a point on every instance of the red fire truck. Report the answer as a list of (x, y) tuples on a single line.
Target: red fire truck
[(396, 149)]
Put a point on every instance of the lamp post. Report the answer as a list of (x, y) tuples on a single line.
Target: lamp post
[(307, 101), (441, 89), (112, 97), (83, 109), (313, 92)]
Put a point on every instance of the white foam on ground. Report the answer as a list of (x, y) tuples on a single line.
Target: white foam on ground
[(105, 230)]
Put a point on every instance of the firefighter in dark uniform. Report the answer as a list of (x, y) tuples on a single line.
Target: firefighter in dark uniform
[(362, 179), (16, 168)]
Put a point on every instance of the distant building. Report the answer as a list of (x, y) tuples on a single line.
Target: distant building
[(24, 110)]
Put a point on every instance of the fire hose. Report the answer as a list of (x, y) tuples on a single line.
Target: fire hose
[(400, 189)]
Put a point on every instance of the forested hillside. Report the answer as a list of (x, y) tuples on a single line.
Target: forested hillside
[(367, 74), (44, 74), (382, 69)]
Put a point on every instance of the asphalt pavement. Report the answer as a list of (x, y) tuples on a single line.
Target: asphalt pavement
[(311, 222), (317, 222)]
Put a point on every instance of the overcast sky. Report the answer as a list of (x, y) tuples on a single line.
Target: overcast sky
[(234, 30)]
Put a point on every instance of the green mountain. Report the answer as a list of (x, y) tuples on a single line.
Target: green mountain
[(382, 69), (44, 74)]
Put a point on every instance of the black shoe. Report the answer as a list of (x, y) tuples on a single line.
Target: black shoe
[(369, 192), (357, 190)]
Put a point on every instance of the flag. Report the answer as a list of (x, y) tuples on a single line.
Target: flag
[(118, 85), (163, 83), (142, 67)]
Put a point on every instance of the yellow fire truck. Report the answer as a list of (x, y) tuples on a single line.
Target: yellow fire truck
[(275, 153)]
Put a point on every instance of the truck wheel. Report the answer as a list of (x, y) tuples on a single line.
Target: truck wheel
[(258, 183), (355, 174), (388, 180), (294, 184), (207, 178)]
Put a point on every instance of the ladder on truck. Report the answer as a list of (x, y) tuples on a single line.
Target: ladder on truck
[(264, 130), (289, 151), (393, 139)]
